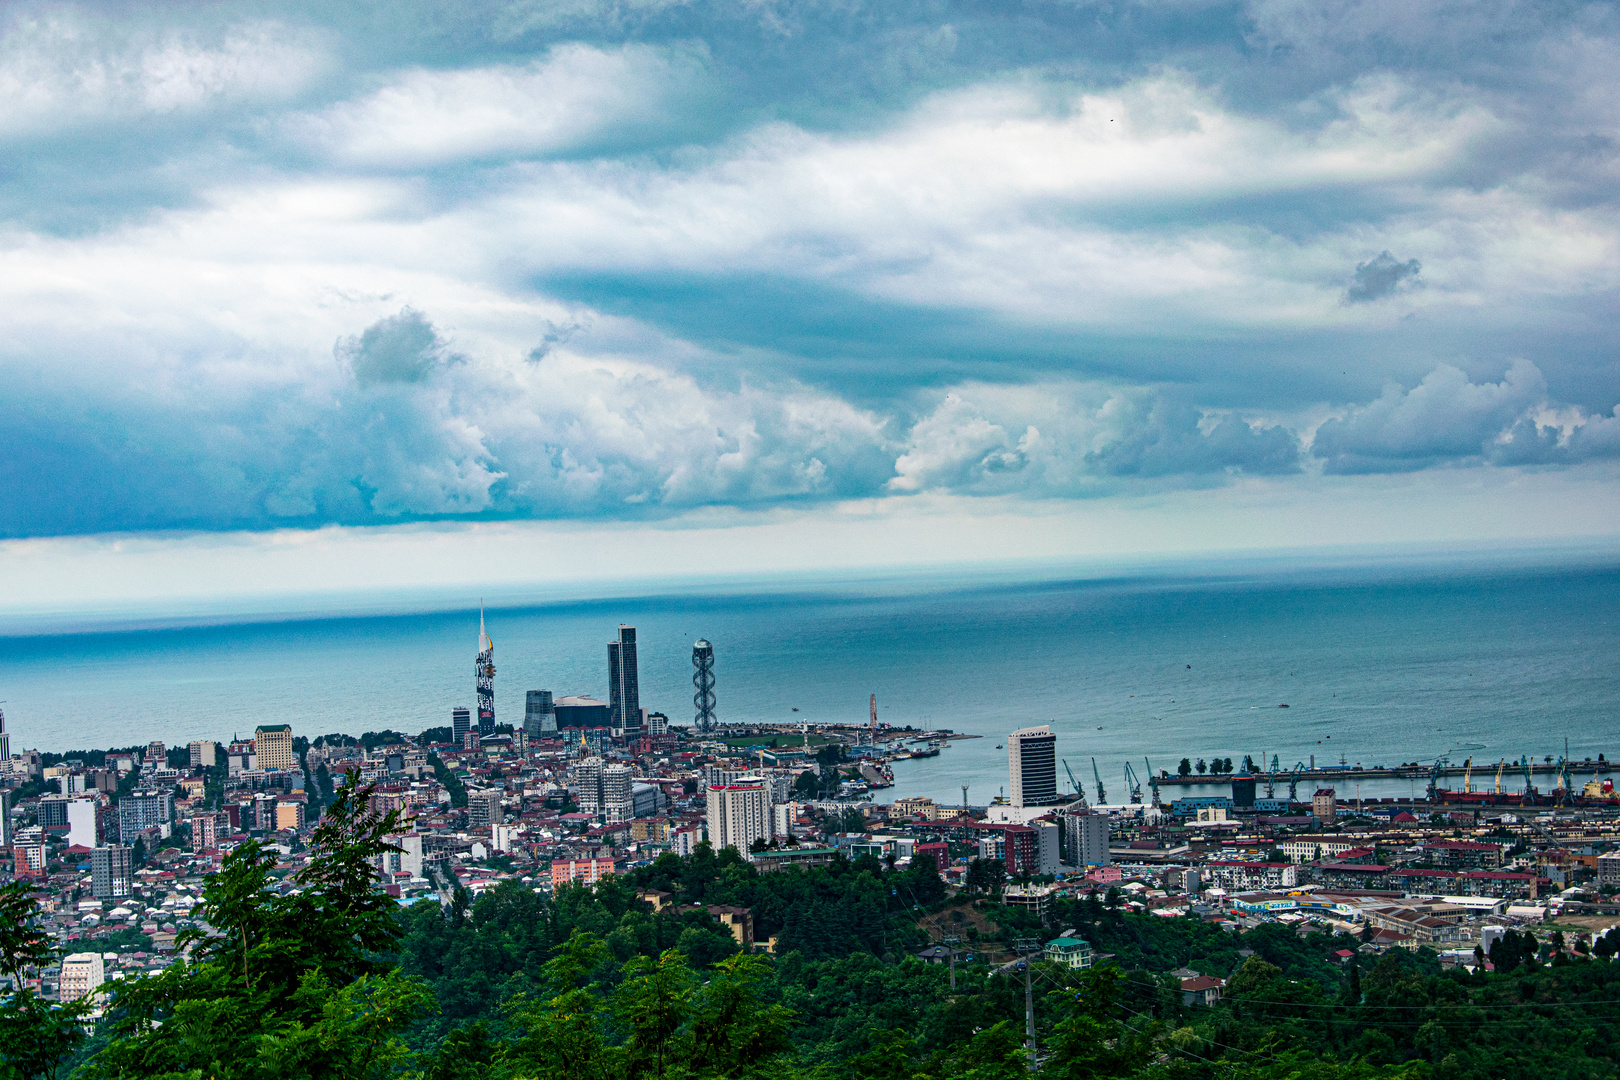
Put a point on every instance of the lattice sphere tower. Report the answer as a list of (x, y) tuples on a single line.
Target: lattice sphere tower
[(703, 685)]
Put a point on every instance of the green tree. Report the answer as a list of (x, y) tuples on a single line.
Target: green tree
[(652, 1004), (733, 1031), (36, 1035), (1185, 768), (287, 986)]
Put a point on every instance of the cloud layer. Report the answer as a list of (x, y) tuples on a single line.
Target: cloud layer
[(599, 260)]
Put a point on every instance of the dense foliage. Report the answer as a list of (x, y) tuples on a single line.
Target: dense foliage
[(324, 977)]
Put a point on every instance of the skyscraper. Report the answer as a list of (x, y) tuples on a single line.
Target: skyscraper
[(539, 714), (460, 724), (624, 688), (484, 669), (5, 739), (1032, 766)]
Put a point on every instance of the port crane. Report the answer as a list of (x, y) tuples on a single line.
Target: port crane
[(1468, 775), (1529, 798), (1132, 784), (1293, 782), (1500, 765), (1078, 790), (1102, 796), (1153, 780)]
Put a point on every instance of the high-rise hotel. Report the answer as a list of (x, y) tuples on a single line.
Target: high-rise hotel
[(1032, 766)]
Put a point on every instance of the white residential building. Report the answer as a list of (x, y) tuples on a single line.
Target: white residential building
[(82, 975), (739, 814), (81, 818)]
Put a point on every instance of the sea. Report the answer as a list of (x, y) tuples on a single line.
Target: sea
[(1376, 661)]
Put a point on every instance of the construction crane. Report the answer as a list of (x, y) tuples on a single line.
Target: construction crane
[(1132, 784), (1078, 790), (1153, 780), (1102, 796), (1293, 782)]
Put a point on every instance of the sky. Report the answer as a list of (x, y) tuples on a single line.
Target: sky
[(307, 295)]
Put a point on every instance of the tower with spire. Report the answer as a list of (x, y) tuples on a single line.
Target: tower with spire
[(484, 669)]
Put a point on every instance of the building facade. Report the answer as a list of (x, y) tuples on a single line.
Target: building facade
[(624, 684), (484, 807), (273, 747), (1021, 849), (618, 799), (82, 975), (739, 814), (1032, 766), (1086, 837), (585, 871), (111, 872), (539, 714)]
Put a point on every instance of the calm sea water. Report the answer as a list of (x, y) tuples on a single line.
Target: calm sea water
[(1376, 666)]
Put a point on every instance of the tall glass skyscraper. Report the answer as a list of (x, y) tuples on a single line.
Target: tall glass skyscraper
[(624, 688), (539, 714)]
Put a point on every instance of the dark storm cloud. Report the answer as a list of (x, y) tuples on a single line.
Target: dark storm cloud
[(400, 348), (1380, 276)]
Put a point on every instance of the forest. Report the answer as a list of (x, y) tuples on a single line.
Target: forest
[(333, 979)]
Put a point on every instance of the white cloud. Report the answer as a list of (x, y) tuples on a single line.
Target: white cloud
[(571, 97), (57, 73)]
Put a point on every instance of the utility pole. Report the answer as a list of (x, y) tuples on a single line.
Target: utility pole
[(1026, 947), (951, 943)]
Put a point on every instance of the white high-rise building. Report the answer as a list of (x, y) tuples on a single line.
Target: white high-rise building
[(739, 814), (82, 975), (585, 777), (81, 818), (1032, 766), (617, 799)]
